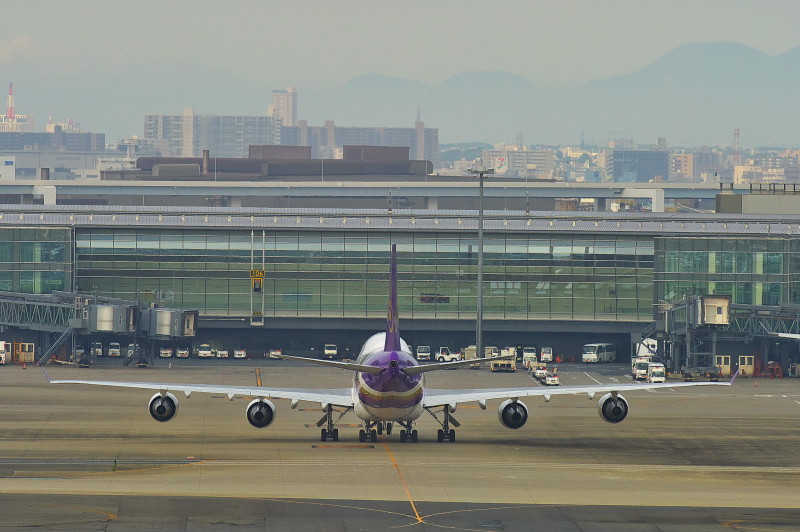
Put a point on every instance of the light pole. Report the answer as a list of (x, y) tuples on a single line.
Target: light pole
[(479, 307)]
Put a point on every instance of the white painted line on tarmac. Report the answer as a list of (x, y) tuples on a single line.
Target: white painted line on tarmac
[(595, 380)]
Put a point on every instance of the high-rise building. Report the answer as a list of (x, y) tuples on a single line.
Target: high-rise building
[(284, 106), (188, 134), (638, 166)]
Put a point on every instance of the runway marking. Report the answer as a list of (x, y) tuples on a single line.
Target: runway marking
[(403, 482), (258, 377), (595, 380)]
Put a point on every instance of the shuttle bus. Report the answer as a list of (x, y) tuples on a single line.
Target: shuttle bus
[(599, 353)]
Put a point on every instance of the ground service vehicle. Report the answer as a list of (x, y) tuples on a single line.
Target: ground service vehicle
[(114, 349), (276, 353), (444, 355), (132, 349), (599, 353), (471, 353), (423, 352), (222, 353), (239, 353), (490, 351), (97, 349), (330, 352), (551, 380), (183, 352), (529, 359), (639, 367), (165, 352), (507, 364), (204, 351), (540, 372), (656, 372), (546, 355)]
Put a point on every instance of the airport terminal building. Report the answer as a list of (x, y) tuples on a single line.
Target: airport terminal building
[(324, 273)]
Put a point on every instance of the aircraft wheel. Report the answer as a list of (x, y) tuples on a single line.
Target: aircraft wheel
[(323, 435), (362, 436), (452, 435), (402, 435), (373, 435), (388, 429), (414, 436), (440, 435), (380, 428), (335, 434)]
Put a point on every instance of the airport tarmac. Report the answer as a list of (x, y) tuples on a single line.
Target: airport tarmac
[(91, 458)]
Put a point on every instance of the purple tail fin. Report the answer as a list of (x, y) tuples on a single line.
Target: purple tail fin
[(392, 321)]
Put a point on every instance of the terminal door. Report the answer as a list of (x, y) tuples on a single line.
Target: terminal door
[(747, 365), (723, 363)]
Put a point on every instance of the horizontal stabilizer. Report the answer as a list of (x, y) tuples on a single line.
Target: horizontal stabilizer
[(341, 365), (413, 370)]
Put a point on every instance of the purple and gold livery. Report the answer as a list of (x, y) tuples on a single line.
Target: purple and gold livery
[(391, 394)]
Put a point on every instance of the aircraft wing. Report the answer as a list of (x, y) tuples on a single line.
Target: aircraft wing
[(336, 397), (441, 397)]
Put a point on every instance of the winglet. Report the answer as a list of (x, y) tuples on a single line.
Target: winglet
[(392, 321), (735, 375)]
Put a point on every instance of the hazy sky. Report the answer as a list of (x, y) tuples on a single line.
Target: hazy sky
[(311, 45)]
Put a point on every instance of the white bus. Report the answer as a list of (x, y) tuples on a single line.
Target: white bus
[(599, 353)]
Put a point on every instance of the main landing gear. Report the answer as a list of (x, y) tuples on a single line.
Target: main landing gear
[(407, 434), (445, 433), (329, 432), (373, 429)]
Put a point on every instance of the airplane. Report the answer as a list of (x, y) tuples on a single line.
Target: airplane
[(388, 388)]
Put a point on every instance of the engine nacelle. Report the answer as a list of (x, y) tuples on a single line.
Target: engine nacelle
[(163, 407), (612, 409), (512, 414), (260, 413)]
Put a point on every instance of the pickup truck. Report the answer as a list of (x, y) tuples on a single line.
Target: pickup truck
[(444, 355)]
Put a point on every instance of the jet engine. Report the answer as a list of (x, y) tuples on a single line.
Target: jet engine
[(512, 414), (163, 407), (260, 413), (612, 409)]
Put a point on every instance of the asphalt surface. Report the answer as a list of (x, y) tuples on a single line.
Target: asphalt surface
[(91, 458)]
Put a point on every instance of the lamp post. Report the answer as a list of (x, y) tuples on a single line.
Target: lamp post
[(479, 307)]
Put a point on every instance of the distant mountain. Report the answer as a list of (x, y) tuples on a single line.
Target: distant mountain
[(696, 94)]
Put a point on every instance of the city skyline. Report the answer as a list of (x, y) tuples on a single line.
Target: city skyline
[(228, 61)]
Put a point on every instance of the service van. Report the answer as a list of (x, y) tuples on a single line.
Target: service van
[(423, 352), (204, 351), (639, 367), (656, 372), (114, 349), (182, 353), (165, 352), (330, 351), (546, 354)]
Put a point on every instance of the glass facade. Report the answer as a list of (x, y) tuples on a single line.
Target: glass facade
[(338, 274), (35, 261), (752, 271)]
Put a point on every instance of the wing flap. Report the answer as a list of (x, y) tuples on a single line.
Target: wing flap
[(443, 397), (337, 397)]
